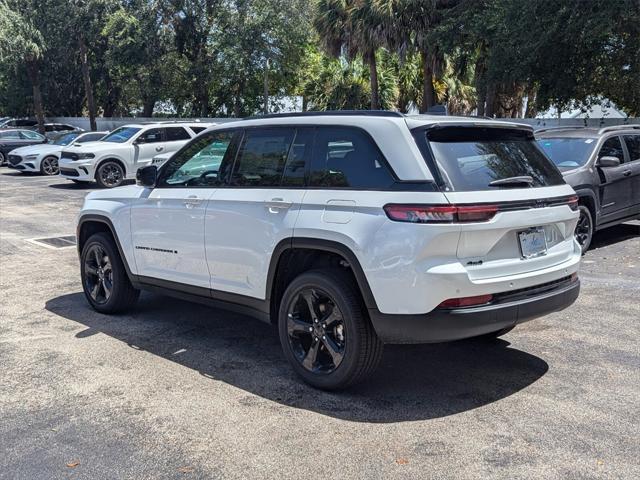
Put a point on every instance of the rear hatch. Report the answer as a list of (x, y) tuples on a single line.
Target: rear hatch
[(518, 214)]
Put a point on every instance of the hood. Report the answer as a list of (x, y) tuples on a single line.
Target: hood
[(125, 192), (37, 149), (96, 147)]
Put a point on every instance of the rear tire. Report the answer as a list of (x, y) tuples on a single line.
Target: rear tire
[(105, 281), (325, 332), (584, 228), (3, 159)]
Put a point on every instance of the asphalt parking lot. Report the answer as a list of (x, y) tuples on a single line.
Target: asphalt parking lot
[(176, 390)]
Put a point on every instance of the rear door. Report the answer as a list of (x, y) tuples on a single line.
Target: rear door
[(255, 207), (175, 138), (526, 213), (616, 182), (632, 143)]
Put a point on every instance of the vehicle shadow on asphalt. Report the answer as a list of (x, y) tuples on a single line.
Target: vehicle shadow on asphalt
[(69, 185), (414, 382), (616, 234)]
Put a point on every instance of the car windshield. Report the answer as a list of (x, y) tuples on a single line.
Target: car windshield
[(121, 135), (568, 152), (478, 158), (66, 139)]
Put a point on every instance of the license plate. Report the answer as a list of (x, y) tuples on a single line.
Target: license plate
[(533, 243)]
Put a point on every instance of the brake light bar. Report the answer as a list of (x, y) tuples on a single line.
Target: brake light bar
[(440, 213)]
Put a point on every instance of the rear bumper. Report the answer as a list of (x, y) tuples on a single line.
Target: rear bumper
[(447, 325)]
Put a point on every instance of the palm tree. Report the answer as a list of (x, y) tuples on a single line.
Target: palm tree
[(351, 28)]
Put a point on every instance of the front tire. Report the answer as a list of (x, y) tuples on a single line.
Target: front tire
[(3, 159), (49, 166), (584, 228), (110, 174), (325, 332), (104, 279)]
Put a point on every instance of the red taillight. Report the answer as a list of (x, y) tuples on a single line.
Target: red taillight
[(573, 202), (466, 301), (440, 213)]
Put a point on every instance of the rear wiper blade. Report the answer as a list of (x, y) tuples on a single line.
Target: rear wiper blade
[(512, 181)]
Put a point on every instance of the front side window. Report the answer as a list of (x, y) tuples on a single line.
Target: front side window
[(568, 152), (262, 157), (612, 147), (153, 135), (633, 146), (348, 158), (66, 139), (30, 135), (198, 164), (487, 158), (121, 135), (176, 133)]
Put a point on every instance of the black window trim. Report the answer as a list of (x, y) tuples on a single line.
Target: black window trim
[(397, 185)]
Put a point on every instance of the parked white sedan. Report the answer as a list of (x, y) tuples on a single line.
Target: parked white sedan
[(43, 158)]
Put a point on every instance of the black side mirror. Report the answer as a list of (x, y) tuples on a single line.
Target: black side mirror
[(147, 176), (608, 161)]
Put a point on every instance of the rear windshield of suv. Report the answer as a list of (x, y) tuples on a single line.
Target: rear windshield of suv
[(489, 158), (568, 153)]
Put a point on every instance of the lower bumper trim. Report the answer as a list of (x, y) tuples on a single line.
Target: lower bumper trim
[(447, 325)]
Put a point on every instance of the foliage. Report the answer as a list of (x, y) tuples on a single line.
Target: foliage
[(240, 57)]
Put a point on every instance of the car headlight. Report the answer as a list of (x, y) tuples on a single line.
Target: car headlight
[(82, 156)]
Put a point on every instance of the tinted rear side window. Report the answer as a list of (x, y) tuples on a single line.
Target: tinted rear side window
[(176, 133), (470, 158), (348, 158), (262, 157)]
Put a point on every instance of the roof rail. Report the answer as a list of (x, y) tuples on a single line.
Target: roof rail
[(555, 129), (365, 113), (614, 128)]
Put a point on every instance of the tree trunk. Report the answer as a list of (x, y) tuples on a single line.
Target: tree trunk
[(532, 110), (88, 87), (147, 107), (491, 100), (34, 77), (265, 108), (428, 92), (373, 78)]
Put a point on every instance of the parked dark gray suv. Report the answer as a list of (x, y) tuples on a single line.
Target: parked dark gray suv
[(603, 167)]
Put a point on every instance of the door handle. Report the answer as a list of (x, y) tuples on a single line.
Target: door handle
[(192, 201), (276, 204), (626, 173), (159, 149)]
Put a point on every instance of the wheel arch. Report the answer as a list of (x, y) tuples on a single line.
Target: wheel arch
[(90, 224), (306, 253), (117, 160), (588, 198)]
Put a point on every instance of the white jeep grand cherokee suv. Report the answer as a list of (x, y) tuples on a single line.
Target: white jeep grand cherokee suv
[(348, 230), (120, 154)]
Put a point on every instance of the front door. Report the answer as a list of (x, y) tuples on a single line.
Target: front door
[(615, 183), (168, 237), (257, 208), (146, 146)]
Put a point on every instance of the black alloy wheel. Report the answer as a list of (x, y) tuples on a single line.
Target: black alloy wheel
[(105, 282), (325, 331), (316, 331), (110, 175), (584, 228), (98, 274)]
